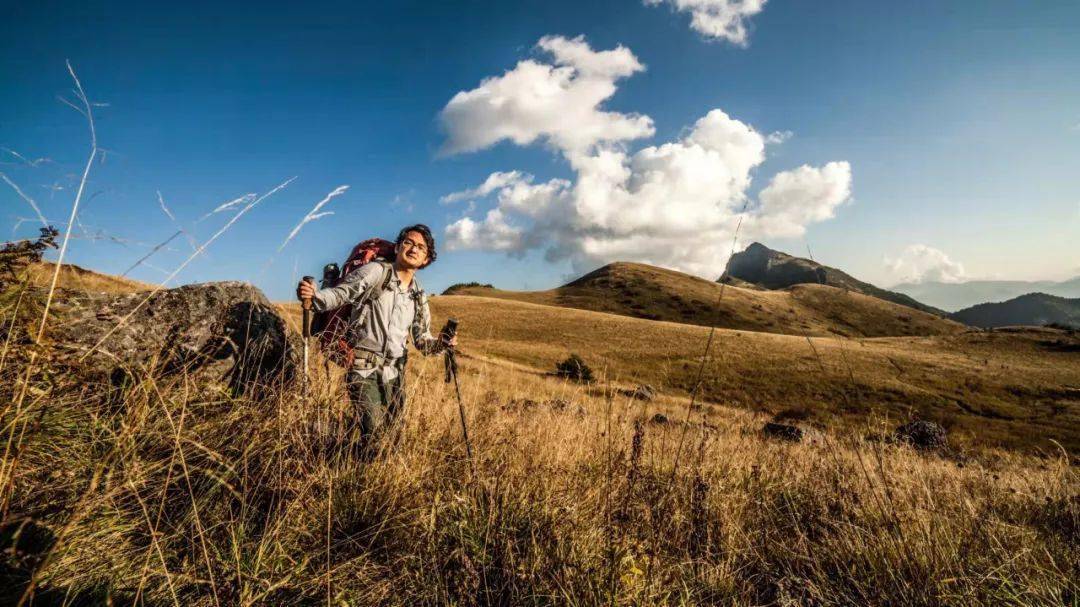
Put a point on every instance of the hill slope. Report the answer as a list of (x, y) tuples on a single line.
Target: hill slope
[(75, 278), (760, 265), (1030, 309), (161, 490), (957, 296), (643, 291), (1013, 388), (1006, 388)]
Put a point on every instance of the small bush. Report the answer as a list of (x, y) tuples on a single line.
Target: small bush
[(574, 368), (15, 256), (454, 288)]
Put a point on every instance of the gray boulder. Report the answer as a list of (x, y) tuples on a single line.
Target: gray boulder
[(923, 435), (222, 332), (642, 392), (783, 432)]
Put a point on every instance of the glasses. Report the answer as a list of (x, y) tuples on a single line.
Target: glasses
[(408, 244)]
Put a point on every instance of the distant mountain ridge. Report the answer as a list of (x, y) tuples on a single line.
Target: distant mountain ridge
[(759, 265), (957, 296), (1030, 309), (643, 291)]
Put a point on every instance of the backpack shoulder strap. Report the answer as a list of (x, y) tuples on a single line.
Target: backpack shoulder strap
[(388, 273), (418, 286), (383, 284)]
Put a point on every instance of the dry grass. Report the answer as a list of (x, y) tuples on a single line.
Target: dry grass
[(643, 291), (162, 491), (999, 389), (74, 278)]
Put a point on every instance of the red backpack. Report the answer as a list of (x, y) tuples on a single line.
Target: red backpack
[(331, 327)]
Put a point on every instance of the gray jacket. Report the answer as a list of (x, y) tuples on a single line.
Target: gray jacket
[(385, 324)]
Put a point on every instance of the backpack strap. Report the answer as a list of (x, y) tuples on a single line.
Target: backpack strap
[(388, 273), (376, 289), (383, 284)]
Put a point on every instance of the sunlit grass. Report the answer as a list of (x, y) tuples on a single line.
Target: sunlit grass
[(171, 491)]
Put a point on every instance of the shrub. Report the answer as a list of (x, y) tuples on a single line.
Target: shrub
[(574, 368), (14, 256), (454, 288)]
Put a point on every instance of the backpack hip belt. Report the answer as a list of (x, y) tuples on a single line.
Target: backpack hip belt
[(374, 358)]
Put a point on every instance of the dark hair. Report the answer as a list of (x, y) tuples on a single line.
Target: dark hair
[(429, 240)]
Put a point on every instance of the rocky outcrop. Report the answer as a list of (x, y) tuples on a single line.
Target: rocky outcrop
[(222, 332), (923, 435), (782, 432), (642, 392), (760, 265)]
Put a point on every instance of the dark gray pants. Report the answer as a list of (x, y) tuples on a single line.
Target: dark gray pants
[(377, 405)]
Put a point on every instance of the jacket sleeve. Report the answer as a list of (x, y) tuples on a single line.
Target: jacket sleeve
[(351, 290), (424, 341)]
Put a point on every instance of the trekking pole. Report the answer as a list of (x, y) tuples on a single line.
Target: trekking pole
[(448, 332), (306, 330)]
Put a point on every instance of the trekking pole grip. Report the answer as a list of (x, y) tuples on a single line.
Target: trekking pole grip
[(306, 302)]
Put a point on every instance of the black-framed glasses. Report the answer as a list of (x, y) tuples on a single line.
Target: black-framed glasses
[(414, 245)]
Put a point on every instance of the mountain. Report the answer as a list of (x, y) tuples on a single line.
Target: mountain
[(956, 296), (1030, 309), (643, 291), (765, 267)]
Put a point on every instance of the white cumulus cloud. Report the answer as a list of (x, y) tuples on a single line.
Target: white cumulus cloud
[(718, 19), (492, 183), (922, 263), (794, 199), (675, 204), (557, 102)]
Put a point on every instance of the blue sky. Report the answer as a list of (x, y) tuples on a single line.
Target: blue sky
[(959, 124)]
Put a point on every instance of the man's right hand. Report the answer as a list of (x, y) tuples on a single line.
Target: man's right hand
[(305, 290)]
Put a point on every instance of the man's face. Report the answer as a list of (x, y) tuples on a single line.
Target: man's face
[(412, 251)]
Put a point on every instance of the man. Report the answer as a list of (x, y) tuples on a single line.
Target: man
[(381, 322)]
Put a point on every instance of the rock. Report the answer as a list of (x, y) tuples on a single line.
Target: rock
[(783, 431), (520, 404), (223, 331), (770, 269), (643, 392), (558, 404), (923, 435)]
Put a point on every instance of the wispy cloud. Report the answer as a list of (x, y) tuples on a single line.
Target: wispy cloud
[(404, 201), (718, 19), (922, 263), (778, 137)]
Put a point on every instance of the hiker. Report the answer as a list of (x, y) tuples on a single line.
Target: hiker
[(388, 304)]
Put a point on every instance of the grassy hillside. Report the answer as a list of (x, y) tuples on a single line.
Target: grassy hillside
[(1015, 389), (74, 278), (165, 491), (1031, 309), (649, 292)]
